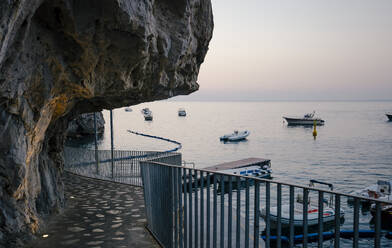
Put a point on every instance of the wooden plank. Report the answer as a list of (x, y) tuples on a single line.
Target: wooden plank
[(238, 164)]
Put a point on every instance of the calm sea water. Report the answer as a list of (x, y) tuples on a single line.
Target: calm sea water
[(352, 150)]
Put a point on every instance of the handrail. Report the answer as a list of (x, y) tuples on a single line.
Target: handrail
[(276, 182)]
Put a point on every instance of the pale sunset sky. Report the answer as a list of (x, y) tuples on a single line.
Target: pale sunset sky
[(298, 50)]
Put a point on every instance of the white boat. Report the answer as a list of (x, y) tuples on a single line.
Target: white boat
[(235, 136), (307, 119), (128, 109), (181, 112), (312, 213), (328, 215), (380, 191)]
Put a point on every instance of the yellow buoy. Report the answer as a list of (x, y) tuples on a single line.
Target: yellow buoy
[(314, 129)]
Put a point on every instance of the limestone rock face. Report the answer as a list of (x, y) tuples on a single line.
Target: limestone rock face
[(61, 58), (83, 125)]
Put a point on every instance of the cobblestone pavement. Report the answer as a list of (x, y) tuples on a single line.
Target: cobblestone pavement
[(98, 214)]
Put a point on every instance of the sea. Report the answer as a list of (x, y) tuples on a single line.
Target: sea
[(352, 150)]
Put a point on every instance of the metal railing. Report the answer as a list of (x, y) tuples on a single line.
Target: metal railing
[(189, 207), (124, 168)]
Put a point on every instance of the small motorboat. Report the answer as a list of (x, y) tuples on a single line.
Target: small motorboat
[(128, 109), (181, 112), (307, 119), (235, 136), (148, 116), (380, 191), (313, 211), (389, 115), (146, 111)]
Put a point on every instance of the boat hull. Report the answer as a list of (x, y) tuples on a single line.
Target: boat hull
[(386, 215), (389, 116), (303, 121), (328, 215), (235, 137)]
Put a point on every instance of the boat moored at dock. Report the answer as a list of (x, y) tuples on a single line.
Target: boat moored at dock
[(307, 119), (328, 211), (382, 190)]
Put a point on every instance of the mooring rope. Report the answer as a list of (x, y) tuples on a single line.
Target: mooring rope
[(161, 138), (138, 156)]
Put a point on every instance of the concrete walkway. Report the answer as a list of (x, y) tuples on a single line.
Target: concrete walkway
[(98, 214)]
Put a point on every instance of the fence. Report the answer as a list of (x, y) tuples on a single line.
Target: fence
[(124, 168), (187, 207)]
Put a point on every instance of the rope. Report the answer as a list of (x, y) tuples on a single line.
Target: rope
[(160, 138)]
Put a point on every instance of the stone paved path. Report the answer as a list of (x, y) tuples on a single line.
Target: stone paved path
[(98, 214)]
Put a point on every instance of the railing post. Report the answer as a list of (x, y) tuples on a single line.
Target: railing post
[(337, 221), (222, 211), (356, 223), (230, 213), (267, 214), (377, 226), (291, 222), (279, 220), (256, 215), (96, 142), (111, 141), (305, 217), (247, 213), (238, 214)]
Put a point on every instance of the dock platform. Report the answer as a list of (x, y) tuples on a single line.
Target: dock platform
[(239, 163)]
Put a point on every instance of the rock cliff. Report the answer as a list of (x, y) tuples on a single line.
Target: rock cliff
[(83, 125), (61, 58)]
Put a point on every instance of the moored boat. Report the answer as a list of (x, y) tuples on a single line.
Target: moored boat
[(147, 113), (298, 218), (235, 136), (181, 112), (145, 110), (389, 115), (382, 190), (307, 119), (148, 116), (386, 214)]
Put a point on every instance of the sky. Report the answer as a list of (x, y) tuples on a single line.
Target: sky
[(298, 50)]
